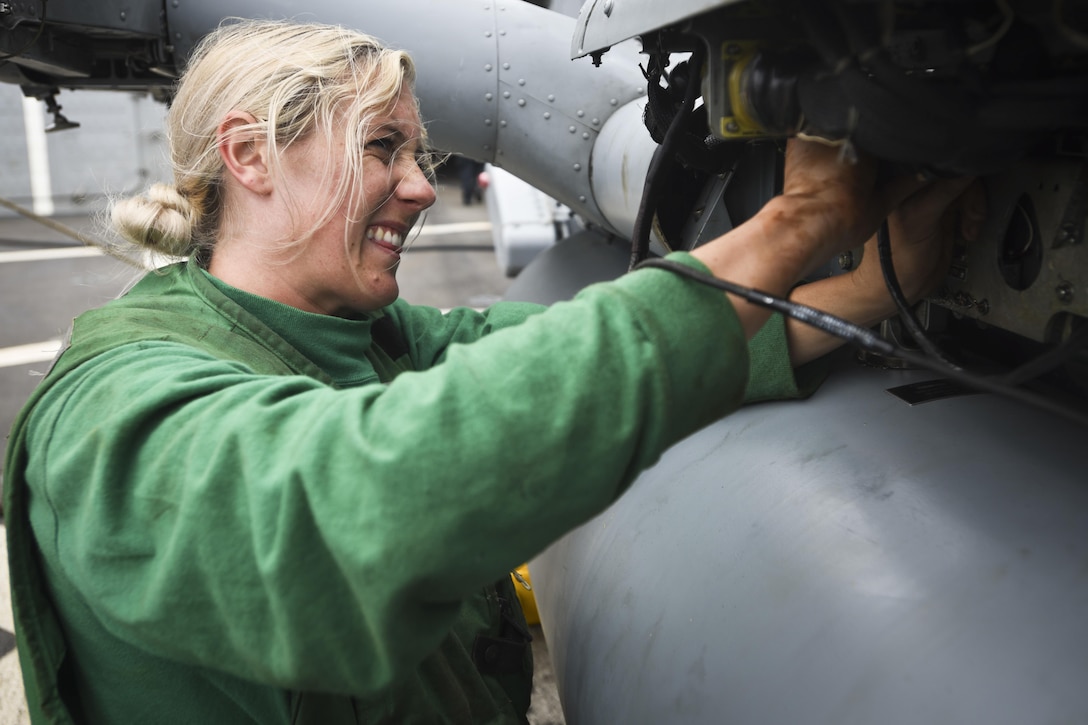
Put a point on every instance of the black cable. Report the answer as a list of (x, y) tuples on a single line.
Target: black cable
[(906, 313), (1046, 362), (4, 57), (867, 340), (651, 191)]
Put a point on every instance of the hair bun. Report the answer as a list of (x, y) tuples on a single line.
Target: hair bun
[(160, 220)]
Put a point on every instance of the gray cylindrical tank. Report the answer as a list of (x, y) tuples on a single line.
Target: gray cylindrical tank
[(847, 559)]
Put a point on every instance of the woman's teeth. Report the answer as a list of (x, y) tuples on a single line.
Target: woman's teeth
[(388, 236)]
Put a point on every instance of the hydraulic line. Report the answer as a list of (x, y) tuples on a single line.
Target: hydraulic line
[(868, 340)]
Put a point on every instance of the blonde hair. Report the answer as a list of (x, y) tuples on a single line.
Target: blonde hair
[(292, 78)]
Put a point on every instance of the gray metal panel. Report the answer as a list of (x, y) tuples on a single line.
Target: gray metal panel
[(125, 16), (495, 80), (561, 271), (621, 158), (848, 559), (604, 23)]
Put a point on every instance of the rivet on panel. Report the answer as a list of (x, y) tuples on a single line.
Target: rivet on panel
[(596, 122), (551, 96), (487, 33), (572, 129), (506, 94), (581, 113), (488, 96), (547, 115), (521, 101), (502, 124), (577, 167), (521, 81), (585, 135), (582, 198), (487, 121), (487, 67), (613, 101)]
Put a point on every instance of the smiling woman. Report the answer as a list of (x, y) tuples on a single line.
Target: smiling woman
[(260, 487)]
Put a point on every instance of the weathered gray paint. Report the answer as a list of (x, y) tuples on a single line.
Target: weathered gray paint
[(847, 559)]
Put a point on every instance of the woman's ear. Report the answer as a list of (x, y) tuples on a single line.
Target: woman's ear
[(245, 152)]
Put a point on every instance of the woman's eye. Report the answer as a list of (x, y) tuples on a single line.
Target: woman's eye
[(381, 146)]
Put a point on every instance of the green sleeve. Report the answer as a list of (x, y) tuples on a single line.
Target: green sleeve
[(313, 538), (429, 332), (771, 376)]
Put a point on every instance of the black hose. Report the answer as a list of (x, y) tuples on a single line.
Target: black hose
[(906, 313), (655, 179), (867, 340)]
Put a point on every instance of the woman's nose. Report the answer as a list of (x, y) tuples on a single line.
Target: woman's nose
[(415, 188)]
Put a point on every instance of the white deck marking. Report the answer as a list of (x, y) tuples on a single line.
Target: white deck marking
[(45, 255), (26, 354)]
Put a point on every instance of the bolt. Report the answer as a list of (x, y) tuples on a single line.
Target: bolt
[(846, 260), (608, 6), (1065, 293), (732, 127)]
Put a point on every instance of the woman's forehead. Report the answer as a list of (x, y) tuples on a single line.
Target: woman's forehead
[(402, 118)]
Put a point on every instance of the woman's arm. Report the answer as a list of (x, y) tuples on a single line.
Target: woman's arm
[(923, 231)]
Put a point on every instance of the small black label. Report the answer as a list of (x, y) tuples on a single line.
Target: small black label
[(930, 390)]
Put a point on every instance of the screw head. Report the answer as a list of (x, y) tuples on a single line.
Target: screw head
[(1065, 293)]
